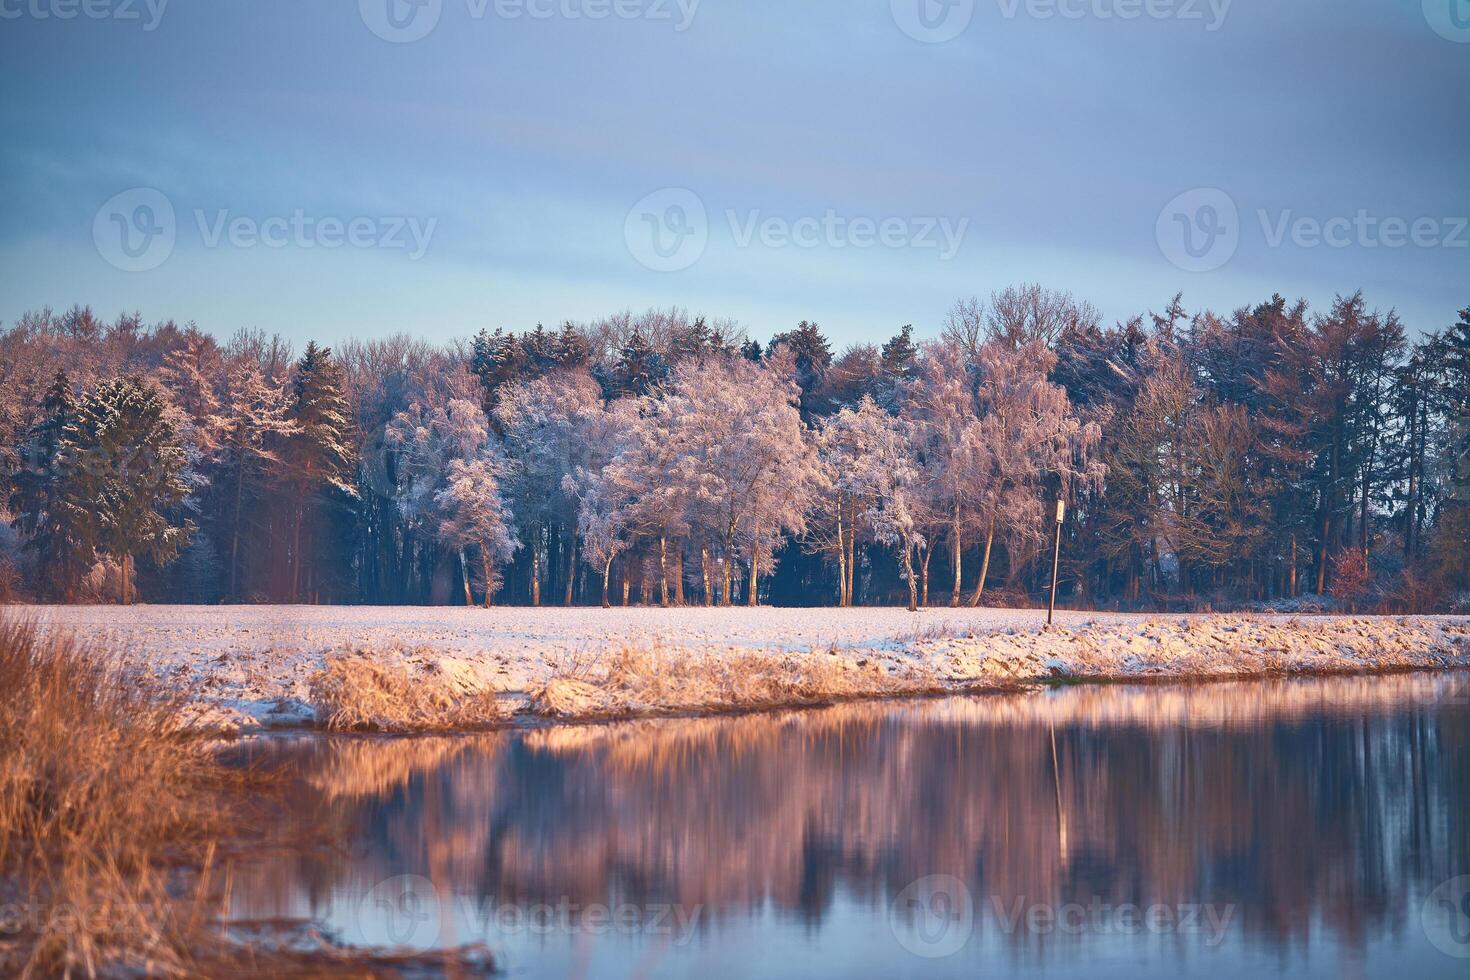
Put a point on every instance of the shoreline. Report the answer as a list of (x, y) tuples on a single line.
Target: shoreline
[(528, 722), (250, 669)]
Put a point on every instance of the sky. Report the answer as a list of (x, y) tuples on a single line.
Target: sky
[(335, 168)]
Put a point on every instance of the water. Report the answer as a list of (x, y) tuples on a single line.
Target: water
[(1269, 828)]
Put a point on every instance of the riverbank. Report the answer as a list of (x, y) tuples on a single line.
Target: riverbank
[(249, 668)]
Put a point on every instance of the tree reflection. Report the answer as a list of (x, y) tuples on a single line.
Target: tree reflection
[(1304, 804)]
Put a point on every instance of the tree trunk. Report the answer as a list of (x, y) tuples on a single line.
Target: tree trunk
[(663, 571), (571, 566), (727, 572), (956, 552), (751, 599), (626, 587), (464, 574), (606, 577), (235, 533), (536, 568), (489, 574), (1293, 566), (984, 565), (843, 600), (851, 560), (908, 573), (924, 576), (1322, 562), (127, 579), (709, 598), (296, 543)]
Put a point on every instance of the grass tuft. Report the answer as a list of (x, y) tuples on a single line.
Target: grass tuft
[(354, 693)]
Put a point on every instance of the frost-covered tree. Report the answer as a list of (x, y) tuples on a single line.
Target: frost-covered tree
[(955, 456), (191, 374), (62, 547), (603, 519), (551, 427), (474, 514), (740, 455), (251, 428), (427, 439), (639, 368), (120, 461), (1029, 441), (871, 461), (649, 487)]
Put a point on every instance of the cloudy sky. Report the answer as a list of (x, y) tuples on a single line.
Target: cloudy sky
[(332, 167)]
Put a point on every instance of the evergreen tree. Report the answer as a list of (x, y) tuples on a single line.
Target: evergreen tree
[(898, 366), (1452, 352), (495, 358), (900, 354), (61, 547), (813, 357), (570, 348), (320, 453), (121, 461), (639, 368), (540, 348)]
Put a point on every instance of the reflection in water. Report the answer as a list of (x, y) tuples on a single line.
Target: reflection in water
[(1279, 827)]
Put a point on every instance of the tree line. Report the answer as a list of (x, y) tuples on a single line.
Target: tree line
[(1274, 454)]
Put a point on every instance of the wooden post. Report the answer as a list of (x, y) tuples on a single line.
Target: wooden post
[(1056, 557)]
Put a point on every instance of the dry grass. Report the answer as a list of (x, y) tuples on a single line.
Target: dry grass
[(355, 693), (99, 794), (112, 821), (635, 680)]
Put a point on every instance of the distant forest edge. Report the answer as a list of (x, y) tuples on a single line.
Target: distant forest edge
[(1274, 456)]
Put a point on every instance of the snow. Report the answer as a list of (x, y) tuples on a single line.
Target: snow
[(250, 664)]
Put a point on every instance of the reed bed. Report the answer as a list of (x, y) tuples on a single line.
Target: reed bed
[(113, 822)]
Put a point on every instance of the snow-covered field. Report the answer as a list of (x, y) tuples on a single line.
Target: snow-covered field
[(250, 664)]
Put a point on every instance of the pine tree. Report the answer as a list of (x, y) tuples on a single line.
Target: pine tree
[(120, 462), (1453, 357), (320, 452), (639, 368), (1451, 542), (189, 374), (62, 548), (495, 358), (813, 356), (571, 348), (540, 348)]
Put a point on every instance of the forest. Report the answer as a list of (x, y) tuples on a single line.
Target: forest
[(1275, 457)]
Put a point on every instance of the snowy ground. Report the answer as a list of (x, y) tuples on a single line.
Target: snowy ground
[(250, 664)]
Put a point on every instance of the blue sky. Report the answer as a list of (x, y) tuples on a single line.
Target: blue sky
[(1070, 142)]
